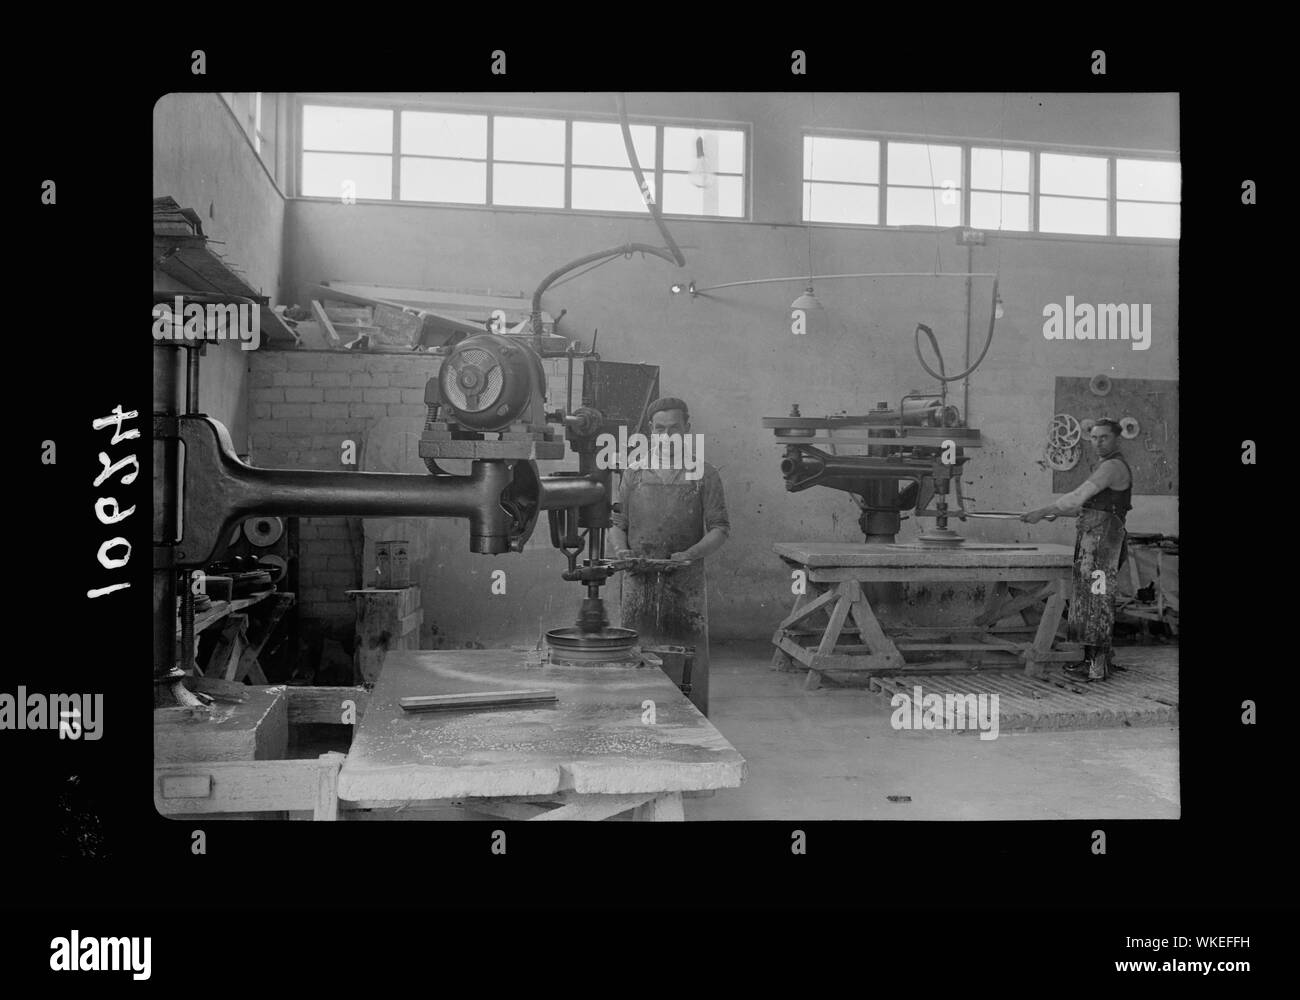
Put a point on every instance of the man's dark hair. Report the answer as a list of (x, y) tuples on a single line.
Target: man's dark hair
[(1114, 426), (668, 403)]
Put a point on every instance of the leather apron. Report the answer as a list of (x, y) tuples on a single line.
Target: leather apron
[(669, 609)]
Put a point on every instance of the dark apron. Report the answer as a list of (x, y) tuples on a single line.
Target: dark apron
[(1100, 544), (669, 609)]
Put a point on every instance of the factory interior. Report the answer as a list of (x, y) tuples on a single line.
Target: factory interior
[(410, 562)]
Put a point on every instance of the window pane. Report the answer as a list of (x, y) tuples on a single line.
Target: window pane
[(519, 185), (841, 203), (324, 175), (999, 169), (826, 159), (444, 180), (1144, 219), (919, 163), (532, 140), (608, 190), (1083, 176), (999, 211), (435, 134), (922, 207), (724, 196), (724, 149), (1147, 180), (1072, 215), (600, 144), (348, 130)]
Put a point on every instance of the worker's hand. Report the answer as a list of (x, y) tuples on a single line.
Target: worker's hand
[(1032, 517), (624, 554), (680, 557)]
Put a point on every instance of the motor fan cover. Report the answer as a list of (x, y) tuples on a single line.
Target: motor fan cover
[(489, 381)]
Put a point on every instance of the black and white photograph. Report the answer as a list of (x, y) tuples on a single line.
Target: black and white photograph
[(593, 505), (659, 456)]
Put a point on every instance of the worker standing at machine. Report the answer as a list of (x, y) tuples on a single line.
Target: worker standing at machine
[(1101, 503), (662, 513)]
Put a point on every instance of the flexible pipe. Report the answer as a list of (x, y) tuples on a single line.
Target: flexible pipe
[(641, 182), (988, 341)]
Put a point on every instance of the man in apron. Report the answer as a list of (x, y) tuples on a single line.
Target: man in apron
[(1101, 504), (673, 513)]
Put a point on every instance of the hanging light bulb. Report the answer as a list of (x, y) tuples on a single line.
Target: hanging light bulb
[(700, 175), (807, 301), (807, 316)]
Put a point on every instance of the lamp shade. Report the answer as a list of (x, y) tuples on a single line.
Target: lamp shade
[(807, 301)]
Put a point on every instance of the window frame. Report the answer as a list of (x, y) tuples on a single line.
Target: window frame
[(656, 170), (967, 143)]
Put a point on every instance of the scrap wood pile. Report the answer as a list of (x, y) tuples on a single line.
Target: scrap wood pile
[(358, 317)]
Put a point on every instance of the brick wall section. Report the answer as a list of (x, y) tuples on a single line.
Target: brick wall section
[(303, 406)]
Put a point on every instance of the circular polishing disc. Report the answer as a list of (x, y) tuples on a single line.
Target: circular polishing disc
[(263, 531)]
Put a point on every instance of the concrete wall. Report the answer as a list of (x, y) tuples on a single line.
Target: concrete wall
[(202, 158), (732, 356)]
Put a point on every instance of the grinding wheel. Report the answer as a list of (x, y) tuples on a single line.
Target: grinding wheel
[(940, 538), (572, 645), (263, 531)]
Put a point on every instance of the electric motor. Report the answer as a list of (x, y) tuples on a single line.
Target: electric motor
[(490, 382)]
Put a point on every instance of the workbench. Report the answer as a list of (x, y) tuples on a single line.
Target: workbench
[(835, 575), (590, 756)]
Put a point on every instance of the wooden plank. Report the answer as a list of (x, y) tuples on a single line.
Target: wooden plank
[(594, 807), (489, 699), (249, 663), (802, 612), (429, 297), (661, 809), (504, 808), (248, 786), (318, 311), (1015, 605), (832, 633), (255, 729), (1046, 634), (870, 631), (820, 555), (802, 654), (890, 574), (835, 662), (326, 807), (186, 786), (945, 647), (323, 704)]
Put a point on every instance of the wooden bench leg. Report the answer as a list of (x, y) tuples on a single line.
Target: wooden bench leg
[(666, 808), (1046, 633)]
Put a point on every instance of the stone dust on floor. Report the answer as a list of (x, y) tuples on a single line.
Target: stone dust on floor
[(832, 753)]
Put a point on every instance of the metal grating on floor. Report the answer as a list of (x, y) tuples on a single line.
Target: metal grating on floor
[(1145, 694)]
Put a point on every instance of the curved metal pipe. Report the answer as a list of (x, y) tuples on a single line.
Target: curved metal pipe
[(640, 179), (559, 272)]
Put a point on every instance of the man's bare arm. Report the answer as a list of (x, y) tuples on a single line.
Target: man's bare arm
[(1071, 504)]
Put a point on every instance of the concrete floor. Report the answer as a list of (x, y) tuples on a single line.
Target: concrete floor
[(832, 754)]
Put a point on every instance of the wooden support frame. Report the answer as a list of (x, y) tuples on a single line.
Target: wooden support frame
[(647, 807), (837, 592)]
